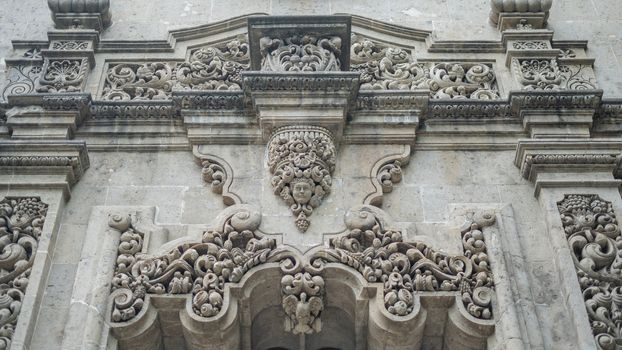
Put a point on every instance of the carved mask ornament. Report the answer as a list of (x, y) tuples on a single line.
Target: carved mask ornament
[(301, 160)]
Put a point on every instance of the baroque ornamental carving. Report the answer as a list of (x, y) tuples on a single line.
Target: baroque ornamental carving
[(223, 256), (21, 222), (380, 254), (305, 53), (209, 68), (595, 240), (63, 75), (301, 160)]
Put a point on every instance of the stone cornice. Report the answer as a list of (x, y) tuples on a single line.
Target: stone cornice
[(62, 163), (569, 162)]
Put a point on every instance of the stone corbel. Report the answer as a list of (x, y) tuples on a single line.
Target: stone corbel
[(90, 14)]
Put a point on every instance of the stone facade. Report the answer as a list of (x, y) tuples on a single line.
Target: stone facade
[(244, 175)]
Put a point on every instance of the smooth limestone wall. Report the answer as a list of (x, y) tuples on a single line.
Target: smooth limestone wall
[(595, 20)]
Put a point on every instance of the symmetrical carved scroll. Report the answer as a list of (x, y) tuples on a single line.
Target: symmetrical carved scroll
[(306, 53), (63, 75), (223, 256), (209, 68), (21, 222), (301, 160), (380, 255), (596, 243)]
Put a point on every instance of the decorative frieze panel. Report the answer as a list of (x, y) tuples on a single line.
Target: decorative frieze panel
[(301, 160), (21, 222), (595, 240), (548, 74), (63, 75)]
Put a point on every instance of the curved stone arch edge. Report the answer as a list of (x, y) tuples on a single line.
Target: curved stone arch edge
[(88, 318), (219, 174), (385, 173)]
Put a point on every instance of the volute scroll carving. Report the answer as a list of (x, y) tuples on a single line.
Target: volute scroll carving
[(21, 224), (595, 240)]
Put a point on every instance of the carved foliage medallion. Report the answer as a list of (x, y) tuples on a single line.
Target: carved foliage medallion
[(63, 75), (595, 240), (21, 222), (301, 160), (305, 53)]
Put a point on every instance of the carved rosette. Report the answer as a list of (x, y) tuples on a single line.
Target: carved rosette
[(224, 255), (596, 243), (21, 223), (380, 255), (535, 74), (301, 160), (63, 75), (306, 53)]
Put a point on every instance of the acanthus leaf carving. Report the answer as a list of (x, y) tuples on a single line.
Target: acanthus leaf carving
[(21, 224), (595, 241), (300, 53), (301, 160)]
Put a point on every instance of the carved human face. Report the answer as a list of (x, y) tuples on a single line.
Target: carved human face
[(302, 192)]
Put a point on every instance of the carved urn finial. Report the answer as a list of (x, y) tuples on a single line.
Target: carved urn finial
[(301, 160)]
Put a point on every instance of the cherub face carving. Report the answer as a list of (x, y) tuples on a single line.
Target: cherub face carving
[(302, 192)]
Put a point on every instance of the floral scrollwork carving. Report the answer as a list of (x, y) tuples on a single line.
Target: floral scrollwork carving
[(307, 53), (595, 240), (21, 223), (536, 74), (223, 256), (462, 81), (301, 160), (63, 75), (385, 68), (380, 255)]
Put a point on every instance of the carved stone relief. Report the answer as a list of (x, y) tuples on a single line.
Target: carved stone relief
[(305, 53), (209, 68), (21, 222), (22, 79), (63, 75), (301, 160), (548, 74), (596, 242)]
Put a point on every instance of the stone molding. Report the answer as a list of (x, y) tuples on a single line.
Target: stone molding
[(64, 162), (540, 160), (520, 13)]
